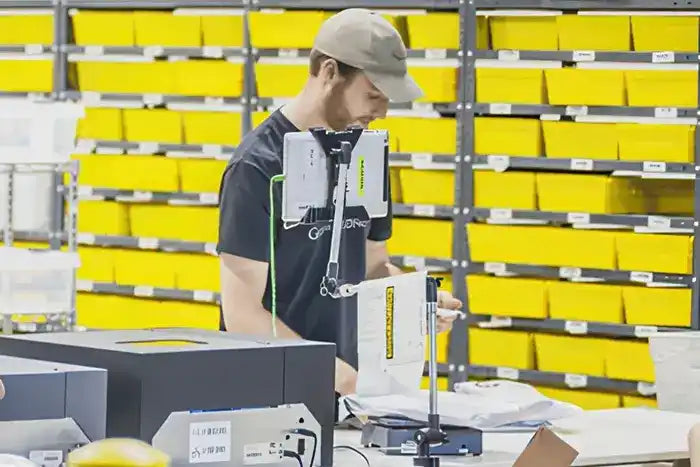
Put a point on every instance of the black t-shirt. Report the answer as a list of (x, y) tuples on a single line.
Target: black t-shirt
[(301, 252)]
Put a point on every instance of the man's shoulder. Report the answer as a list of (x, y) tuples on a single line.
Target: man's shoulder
[(261, 149)]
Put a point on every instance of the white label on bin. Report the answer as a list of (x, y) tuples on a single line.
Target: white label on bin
[(666, 112), (644, 277), (576, 327), (659, 222), (509, 55), (435, 54), (94, 50), (84, 286), (424, 210), (212, 149), (645, 331), (214, 100), (422, 107), (85, 191), (422, 160), (208, 198), (142, 196), (153, 99), (33, 49), (507, 373), (86, 239), (498, 163), (576, 110), (211, 51), (582, 164), (414, 262), (578, 218), (576, 381), (210, 248), (210, 442), (501, 214), (143, 291), (570, 273), (46, 458), (500, 109), (288, 53), (495, 268), (90, 98), (497, 322), (584, 56), (646, 389), (262, 454), (649, 166), (85, 146), (146, 243), (148, 148), (663, 57), (203, 296), (153, 51)]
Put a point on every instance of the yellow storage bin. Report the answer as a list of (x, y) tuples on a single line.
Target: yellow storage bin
[(647, 142), (32, 73), (101, 123), (660, 33), (189, 223), (212, 127), (439, 83), (657, 306), (510, 85), (587, 400), (153, 268), (198, 272), (167, 29), (509, 136), (258, 117), (567, 354), (434, 31), (576, 301), (637, 401), (654, 252), (155, 77), (410, 134), (155, 125), (427, 187), (668, 196), (443, 383), (629, 360), (96, 264), (421, 237), (524, 32), (598, 33), (209, 78), (201, 175), (581, 86), (515, 190), (662, 88), (268, 74), (395, 184), (270, 29), (549, 246), (442, 347), (103, 217), (580, 140), (223, 30), (597, 194), (513, 349), (24, 28), (106, 28), (500, 296), (141, 173)]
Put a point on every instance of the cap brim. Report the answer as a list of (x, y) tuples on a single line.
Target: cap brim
[(398, 89)]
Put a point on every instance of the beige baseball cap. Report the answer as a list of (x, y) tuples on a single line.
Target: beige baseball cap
[(364, 39)]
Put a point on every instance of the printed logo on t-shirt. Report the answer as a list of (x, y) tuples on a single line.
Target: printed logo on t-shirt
[(317, 232)]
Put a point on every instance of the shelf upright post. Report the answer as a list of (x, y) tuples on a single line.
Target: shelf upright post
[(459, 341), (695, 293), (248, 71)]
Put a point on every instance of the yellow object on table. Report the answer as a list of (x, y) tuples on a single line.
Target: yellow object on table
[(567, 354), (427, 186), (515, 190), (201, 175), (101, 123), (167, 29), (582, 86), (188, 223), (662, 88), (153, 125), (152, 268), (212, 127), (596, 194), (439, 83), (223, 30), (654, 252), (576, 301), (103, 218), (512, 349), (629, 360), (660, 33), (564, 139), (23, 28), (32, 73), (500, 296), (154, 77), (268, 74), (657, 306), (508, 136), (524, 32), (421, 237), (587, 400), (661, 142), (114, 452), (510, 85), (270, 29), (596, 33), (209, 78)]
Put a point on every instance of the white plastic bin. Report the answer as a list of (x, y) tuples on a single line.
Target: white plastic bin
[(31, 201), (676, 357), (36, 282), (38, 132)]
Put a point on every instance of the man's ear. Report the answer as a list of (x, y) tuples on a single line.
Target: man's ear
[(329, 70)]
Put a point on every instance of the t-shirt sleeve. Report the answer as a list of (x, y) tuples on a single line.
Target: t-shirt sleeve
[(244, 211)]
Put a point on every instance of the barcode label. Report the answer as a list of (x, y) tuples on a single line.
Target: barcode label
[(84, 286), (86, 238), (659, 222), (203, 296), (509, 55), (584, 56), (209, 198), (210, 248), (91, 98), (288, 53), (85, 146), (94, 50), (570, 273), (422, 106), (578, 218), (498, 163), (500, 109), (654, 166), (148, 243), (421, 160), (414, 262), (663, 57), (646, 389), (582, 164), (576, 110), (495, 268), (436, 54), (212, 149), (85, 191), (501, 214), (153, 51), (210, 51), (507, 373), (424, 210), (153, 99), (148, 148), (576, 327), (33, 49), (214, 101), (143, 291), (644, 277), (576, 381), (645, 331), (666, 112), (142, 195), (497, 322)]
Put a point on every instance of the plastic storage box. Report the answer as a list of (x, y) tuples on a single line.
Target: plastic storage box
[(639, 401), (662, 142), (153, 125), (222, 28), (101, 123), (629, 360), (197, 272), (142, 77), (567, 354), (654, 252), (189, 223), (277, 77), (270, 29), (597, 33), (580, 140), (108, 28), (421, 237), (657, 306), (582, 86), (167, 29), (103, 217), (26, 73), (134, 267), (20, 27), (510, 85), (427, 187), (212, 127), (524, 32), (515, 190), (200, 175), (675, 361), (509, 136), (513, 349), (140, 173), (438, 81), (521, 298), (676, 86), (36, 282), (585, 302), (658, 33), (31, 201), (96, 264)]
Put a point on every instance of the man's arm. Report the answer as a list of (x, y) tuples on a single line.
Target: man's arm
[(378, 264)]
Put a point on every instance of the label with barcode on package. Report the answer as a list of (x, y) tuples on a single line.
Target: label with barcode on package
[(576, 381), (645, 331), (659, 222), (666, 112), (507, 373), (46, 458), (576, 110), (569, 272), (509, 55), (663, 57), (644, 277), (576, 327), (436, 54), (498, 163), (148, 243), (424, 210), (646, 389), (495, 268), (654, 166), (500, 109), (582, 164), (578, 218), (501, 214), (584, 56)]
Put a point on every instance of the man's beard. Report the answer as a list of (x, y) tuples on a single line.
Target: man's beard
[(334, 110)]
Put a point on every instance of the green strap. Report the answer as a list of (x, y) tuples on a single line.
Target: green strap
[(273, 278)]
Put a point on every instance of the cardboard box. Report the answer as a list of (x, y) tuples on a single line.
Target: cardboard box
[(546, 449)]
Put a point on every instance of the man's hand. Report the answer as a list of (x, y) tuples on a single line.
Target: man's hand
[(345, 378), (448, 302)]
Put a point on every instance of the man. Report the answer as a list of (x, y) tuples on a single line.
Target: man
[(357, 65)]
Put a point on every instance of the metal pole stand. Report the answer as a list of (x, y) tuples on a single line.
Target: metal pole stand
[(432, 435)]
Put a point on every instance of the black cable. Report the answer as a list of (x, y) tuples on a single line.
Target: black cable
[(354, 450), (310, 434), (294, 455)]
